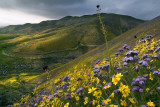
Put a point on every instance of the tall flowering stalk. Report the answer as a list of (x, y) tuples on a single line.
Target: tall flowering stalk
[(49, 78), (105, 35)]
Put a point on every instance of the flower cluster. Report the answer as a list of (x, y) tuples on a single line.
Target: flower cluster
[(136, 71), (138, 83)]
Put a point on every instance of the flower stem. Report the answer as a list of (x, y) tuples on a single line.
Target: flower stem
[(105, 35)]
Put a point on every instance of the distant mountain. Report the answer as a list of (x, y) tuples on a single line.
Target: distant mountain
[(66, 38)]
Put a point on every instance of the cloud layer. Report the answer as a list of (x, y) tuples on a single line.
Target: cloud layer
[(53, 9)]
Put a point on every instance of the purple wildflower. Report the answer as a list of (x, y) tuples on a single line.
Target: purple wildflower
[(146, 59), (150, 92), (96, 69), (64, 86), (158, 88), (144, 106), (157, 49), (148, 37), (97, 75), (136, 88), (144, 63), (119, 68), (125, 72), (116, 54), (126, 47), (155, 56), (104, 75), (107, 59), (116, 91), (56, 95), (98, 85), (108, 84), (50, 97), (79, 79), (105, 67), (131, 53), (120, 49), (97, 61), (80, 92), (155, 72), (125, 63), (145, 56), (141, 90), (66, 78)]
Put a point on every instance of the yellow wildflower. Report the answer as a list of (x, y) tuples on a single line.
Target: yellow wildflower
[(112, 95), (85, 100), (119, 75), (77, 98), (73, 88), (131, 100), (92, 89), (73, 94), (147, 89), (151, 60), (66, 105), (112, 105), (94, 102), (122, 87), (107, 101), (150, 104), (115, 80), (97, 94), (108, 86), (150, 76), (98, 106), (123, 102), (124, 90), (97, 80), (104, 82)]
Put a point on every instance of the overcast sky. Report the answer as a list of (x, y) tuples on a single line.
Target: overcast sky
[(34, 11)]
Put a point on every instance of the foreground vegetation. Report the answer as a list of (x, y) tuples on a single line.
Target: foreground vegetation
[(134, 81), (26, 49)]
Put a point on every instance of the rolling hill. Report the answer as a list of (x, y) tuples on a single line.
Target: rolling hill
[(25, 49), (62, 40), (80, 80), (89, 58)]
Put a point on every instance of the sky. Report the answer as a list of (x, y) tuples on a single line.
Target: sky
[(14, 12)]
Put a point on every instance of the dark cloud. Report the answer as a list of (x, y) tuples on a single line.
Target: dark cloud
[(144, 9)]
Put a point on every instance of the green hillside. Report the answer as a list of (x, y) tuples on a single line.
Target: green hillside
[(26, 49), (75, 32), (88, 59), (82, 82), (59, 41)]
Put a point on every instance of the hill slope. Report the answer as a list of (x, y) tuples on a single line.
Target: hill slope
[(134, 81), (59, 41), (75, 32), (88, 59)]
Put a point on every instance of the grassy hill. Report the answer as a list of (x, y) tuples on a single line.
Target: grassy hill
[(78, 84), (68, 33), (88, 59), (59, 41), (25, 49)]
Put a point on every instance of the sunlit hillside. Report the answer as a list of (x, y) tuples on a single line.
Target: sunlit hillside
[(78, 34), (150, 28), (26, 49), (90, 80)]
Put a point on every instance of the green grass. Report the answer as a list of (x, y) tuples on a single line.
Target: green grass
[(100, 52), (58, 42), (82, 64)]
